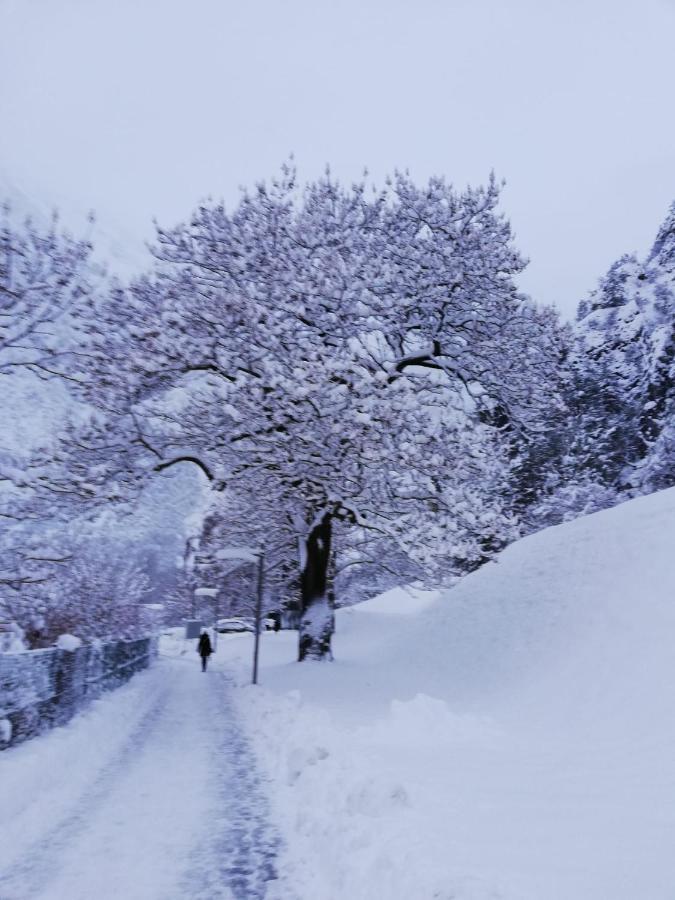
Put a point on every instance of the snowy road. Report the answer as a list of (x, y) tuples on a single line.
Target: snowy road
[(149, 794)]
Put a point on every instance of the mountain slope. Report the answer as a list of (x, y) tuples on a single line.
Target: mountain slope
[(627, 329)]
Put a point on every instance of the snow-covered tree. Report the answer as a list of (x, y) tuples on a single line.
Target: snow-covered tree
[(331, 355), (97, 595), (49, 298), (44, 282), (45, 286), (612, 437), (626, 361)]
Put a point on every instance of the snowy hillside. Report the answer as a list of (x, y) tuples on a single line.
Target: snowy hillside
[(627, 328), (512, 739)]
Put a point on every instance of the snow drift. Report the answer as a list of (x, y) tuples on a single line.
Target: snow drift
[(509, 740), (512, 739)]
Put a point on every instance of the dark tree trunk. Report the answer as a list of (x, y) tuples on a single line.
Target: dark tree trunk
[(317, 617)]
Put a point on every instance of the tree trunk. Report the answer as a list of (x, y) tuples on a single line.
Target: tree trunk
[(317, 618)]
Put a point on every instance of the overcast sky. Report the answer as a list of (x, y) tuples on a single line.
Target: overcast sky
[(140, 108)]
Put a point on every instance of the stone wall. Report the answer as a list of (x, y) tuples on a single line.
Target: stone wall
[(43, 688)]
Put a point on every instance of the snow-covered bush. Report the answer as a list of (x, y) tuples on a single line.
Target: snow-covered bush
[(569, 501), (97, 595), (68, 642)]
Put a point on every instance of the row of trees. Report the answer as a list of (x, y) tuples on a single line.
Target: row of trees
[(352, 371), (615, 437), (45, 281)]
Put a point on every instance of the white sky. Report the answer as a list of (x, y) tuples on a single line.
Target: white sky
[(139, 108)]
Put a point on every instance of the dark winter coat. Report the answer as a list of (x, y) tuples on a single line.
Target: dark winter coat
[(204, 647)]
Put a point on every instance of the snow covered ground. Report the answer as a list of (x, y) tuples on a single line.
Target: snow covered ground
[(149, 795), (512, 739)]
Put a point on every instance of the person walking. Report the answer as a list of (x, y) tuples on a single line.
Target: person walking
[(204, 649)]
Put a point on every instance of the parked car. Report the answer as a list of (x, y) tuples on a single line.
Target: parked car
[(235, 624)]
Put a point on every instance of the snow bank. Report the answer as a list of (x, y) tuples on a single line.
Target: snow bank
[(12, 639), (353, 827), (68, 642), (511, 740), (399, 601)]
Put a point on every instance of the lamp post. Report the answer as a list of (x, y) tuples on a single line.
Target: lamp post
[(257, 557), (258, 613)]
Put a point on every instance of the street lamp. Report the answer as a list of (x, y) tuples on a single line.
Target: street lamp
[(256, 556)]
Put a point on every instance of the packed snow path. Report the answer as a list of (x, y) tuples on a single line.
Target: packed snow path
[(149, 794)]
